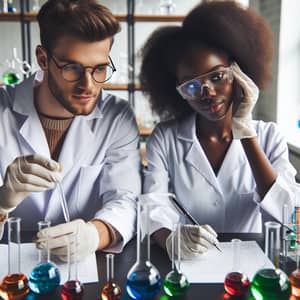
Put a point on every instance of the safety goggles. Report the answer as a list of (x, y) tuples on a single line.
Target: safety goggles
[(193, 89)]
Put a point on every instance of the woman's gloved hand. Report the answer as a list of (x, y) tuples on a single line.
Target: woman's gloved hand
[(27, 174), (194, 240), (58, 238), (242, 126)]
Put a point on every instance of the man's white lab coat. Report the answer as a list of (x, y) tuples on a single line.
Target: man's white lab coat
[(100, 158), (227, 201)]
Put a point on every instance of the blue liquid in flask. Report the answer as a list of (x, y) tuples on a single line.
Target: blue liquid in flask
[(44, 278), (143, 287)]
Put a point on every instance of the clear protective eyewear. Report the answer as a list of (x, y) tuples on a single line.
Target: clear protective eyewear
[(74, 72), (193, 89)]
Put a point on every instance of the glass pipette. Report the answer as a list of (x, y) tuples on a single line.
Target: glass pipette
[(63, 202)]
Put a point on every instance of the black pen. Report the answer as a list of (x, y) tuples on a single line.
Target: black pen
[(187, 214)]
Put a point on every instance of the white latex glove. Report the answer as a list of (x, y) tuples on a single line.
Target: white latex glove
[(87, 239), (27, 174), (194, 240), (242, 126)]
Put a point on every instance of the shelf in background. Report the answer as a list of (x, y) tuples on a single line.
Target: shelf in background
[(120, 87), (31, 17)]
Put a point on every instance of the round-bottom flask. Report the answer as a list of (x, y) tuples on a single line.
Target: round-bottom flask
[(175, 282), (45, 276), (143, 279), (270, 283), (111, 290), (236, 283), (15, 285), (72, 290)]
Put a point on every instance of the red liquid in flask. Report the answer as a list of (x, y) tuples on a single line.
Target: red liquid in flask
[(14, 287), (236, 284), (72, 290), (111, 291), (295, 282)]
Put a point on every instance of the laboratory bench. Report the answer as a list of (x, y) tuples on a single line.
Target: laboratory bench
[(124, 261)]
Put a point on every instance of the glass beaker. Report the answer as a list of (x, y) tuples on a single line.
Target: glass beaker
[(295, 275), (271, 283), (15, 285), (167, 7), (143, 279), (36, 5), (176, 283), (45, 276), (236, 282), (111, 290), (10, 6), (72, 288)]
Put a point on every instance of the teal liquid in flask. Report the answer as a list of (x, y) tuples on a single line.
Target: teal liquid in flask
[(271, 283), (45, 276), (143, 279)]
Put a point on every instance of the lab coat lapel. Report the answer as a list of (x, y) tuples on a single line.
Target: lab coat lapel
[(30, 126), (195, 155)]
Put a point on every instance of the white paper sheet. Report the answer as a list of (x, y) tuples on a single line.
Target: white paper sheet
[(87, 269), (214, 265)]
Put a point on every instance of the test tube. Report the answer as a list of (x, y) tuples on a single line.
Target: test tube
[(72, 288), (63, 202), (15, 284)]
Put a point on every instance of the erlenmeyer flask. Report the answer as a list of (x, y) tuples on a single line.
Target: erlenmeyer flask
[(143, 279), (176, 283), (11, 75), (236, 282), (45, 276), (15, 285), (270, 283), (72, 288), (111, 290)]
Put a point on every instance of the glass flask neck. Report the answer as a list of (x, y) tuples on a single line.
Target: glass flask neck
[(109, 267), (44, 253), (14, 253), (272, 242), (143, 237)]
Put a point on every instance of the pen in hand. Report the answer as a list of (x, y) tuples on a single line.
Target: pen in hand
[(182, 210)]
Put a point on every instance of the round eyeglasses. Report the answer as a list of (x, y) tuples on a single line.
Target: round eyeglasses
[(193, 89), (72, 72)]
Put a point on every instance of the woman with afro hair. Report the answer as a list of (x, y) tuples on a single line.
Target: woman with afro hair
[(227, 170)]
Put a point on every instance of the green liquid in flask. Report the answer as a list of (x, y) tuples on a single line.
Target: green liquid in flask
[(11, 78), (175, 284), (270, 284)]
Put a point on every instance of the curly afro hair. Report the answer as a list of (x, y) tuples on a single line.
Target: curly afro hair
[(239, 32)]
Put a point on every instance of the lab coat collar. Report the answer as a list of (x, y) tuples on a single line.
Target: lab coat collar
[(186, 128), (195, 155), (23, 101)]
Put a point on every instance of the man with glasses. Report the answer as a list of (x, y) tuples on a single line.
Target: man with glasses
[(60, 127)]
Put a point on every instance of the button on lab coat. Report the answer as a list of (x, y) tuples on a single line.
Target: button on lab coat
[(227, 201), (100, 158)]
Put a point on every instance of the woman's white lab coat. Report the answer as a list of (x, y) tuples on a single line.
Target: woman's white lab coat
[(100, 158), (227, 201)]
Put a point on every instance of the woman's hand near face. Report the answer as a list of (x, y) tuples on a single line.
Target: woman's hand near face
[(242, 117)]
